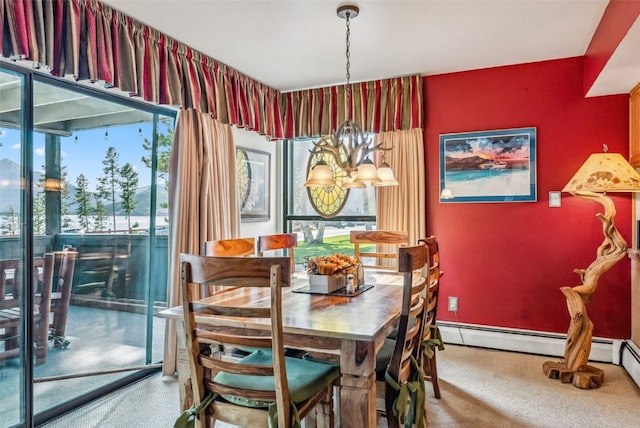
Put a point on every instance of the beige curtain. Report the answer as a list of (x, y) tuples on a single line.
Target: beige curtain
[(402, 207), (202, 200)]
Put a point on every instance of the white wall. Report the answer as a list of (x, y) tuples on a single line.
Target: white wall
[(253, 140)]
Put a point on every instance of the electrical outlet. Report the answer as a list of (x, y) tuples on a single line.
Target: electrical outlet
[(453, 304)]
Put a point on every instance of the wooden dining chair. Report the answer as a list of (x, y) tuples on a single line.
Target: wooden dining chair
[(235, 247), (432, 341), (398, 364), (264, 385), (387, 243), (280, 241), (11, 279)]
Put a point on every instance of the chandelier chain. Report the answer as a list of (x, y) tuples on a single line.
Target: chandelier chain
[(348, 55), (348, 148)]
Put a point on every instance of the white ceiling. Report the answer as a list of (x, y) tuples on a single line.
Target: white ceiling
[(298, 44)]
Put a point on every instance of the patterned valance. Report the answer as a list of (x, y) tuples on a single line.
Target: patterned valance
[(377, 106), (88, 40)]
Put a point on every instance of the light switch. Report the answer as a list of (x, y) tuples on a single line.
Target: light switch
[(555, 200)]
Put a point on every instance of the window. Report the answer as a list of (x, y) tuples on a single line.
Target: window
[(317, 234)]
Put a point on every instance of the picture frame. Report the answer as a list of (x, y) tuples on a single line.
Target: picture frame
[(253, 168), (488, 166)]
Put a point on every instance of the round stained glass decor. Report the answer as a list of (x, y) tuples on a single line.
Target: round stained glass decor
[(327, 201)]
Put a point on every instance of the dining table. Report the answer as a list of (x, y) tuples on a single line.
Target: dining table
[(349, 328)]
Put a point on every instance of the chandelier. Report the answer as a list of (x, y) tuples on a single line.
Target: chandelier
[(348, 146)]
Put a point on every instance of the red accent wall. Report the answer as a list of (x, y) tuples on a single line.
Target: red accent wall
[(507, 261)]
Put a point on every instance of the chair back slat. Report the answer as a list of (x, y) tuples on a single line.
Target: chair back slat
[(434, 282), (234, 271), (280, 241), (387, 244), (236, 247)]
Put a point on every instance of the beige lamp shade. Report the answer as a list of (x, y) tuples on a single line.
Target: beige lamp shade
[(350, 182), (604, 172), (385, 174), (367, 173), (320, 176)]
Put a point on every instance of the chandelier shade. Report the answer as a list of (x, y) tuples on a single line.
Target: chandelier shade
[(367, 173), (320, 176), (385, 174)]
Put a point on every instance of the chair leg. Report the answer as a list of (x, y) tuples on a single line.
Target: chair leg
[(390, 396), (430, 368), (324, 417), (42, 341), (11, 335)]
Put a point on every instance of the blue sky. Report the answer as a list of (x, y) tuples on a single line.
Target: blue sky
[(85, 156)]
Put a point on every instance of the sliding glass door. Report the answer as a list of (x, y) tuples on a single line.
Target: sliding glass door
[(83, 184)]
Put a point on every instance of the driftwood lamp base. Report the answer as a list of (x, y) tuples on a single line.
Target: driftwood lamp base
[(601, 173), (574, 367), (588, 378)]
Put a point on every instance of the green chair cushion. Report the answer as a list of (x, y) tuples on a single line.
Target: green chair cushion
[(383, 357), (251, 349), (305, 378)]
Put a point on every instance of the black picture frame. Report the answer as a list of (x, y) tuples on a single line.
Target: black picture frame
[(253, 168)]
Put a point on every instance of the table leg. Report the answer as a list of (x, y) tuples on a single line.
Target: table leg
[(357, 384)]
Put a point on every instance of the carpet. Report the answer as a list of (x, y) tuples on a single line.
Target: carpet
[(480, 388)]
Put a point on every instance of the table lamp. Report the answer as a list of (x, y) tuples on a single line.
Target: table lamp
[(601, 173)]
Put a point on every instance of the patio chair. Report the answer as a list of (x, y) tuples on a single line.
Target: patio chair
[(11, 280), (103, 265)]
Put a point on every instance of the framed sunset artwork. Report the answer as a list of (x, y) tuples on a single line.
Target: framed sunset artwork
[(488, 166)]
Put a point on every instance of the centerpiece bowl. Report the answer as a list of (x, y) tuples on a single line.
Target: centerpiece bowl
[(329, 273)]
